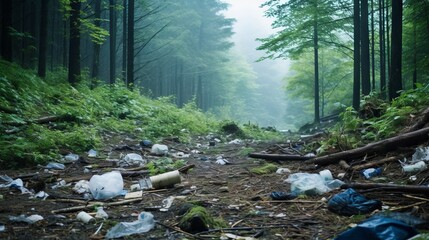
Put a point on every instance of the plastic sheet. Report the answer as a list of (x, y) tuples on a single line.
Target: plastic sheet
[(144, 224), (379, 228), (350, 203)]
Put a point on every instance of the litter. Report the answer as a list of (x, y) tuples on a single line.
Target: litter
[(144, 223), (106, 186), (283, 196), (159, 149), (379, 228), (30, 219), (311, 184), (350, 203), (55, 166), (10, 183), (283, 171), (71, 157), (92, 153), (84, 217), (81, 187), (421, 154), (101, 213), (134, 159), (372, 172)]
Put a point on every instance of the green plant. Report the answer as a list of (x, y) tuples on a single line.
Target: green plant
[(164, 164)]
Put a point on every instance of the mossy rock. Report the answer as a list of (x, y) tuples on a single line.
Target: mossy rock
[(198, 219), (264, 169)]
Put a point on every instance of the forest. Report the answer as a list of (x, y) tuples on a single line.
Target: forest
[(139, 90)]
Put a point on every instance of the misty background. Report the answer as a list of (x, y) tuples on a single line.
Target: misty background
[(252, 24)]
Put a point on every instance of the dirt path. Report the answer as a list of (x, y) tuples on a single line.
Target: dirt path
[(231, 192)]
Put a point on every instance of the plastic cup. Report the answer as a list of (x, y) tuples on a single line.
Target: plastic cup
[(84, 217)]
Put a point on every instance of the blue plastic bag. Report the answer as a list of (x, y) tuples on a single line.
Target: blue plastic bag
[(350, 203), (379, 228)]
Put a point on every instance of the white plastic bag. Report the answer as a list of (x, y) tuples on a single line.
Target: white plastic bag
[(306, 183), (144, 224), (159, 149), (106, 186)]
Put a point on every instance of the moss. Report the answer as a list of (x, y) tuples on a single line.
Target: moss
[(198, 219), (265, 169)]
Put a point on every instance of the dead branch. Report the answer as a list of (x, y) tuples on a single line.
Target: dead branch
[(92, 204), (279, 157), (404, 140), (377, 163), (389, 187)]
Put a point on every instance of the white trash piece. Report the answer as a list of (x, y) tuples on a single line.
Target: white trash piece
[(71, 157), (101, 213), (84, 217), (159, 149), (92, 153), (134, 158), (81, 187), (421, 154), (144, 224), (326, 175), (416, 167), (283, 171), (106, 186), (306, 183), (30, 219)]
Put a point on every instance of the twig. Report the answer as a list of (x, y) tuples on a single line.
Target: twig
[(408, 206), (292, 201), (414, 197), (92, 204), (179, 230)]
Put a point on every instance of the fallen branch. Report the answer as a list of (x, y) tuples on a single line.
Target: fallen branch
[(404, 140), (377, 163), (186, 168), (279, 157), (389, 187), (93, 204)]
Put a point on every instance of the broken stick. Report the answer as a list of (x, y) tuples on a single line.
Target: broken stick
[(279, 157)]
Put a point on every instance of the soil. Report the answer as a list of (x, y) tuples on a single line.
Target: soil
[(230, 192)]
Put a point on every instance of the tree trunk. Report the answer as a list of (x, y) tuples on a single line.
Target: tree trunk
[(316, 67), (414, 55), (382, 50), (366, 81), (96, 53), (43, 38), (356, 55), (6, 43), (395, 83), (372, 47), (74, 47), (124, 42), (130, 47), (112, 29)]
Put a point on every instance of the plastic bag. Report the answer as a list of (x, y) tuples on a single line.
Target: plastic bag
[(350, 202), (306, 183), (159, 149), (379, 228), (106, 186), (144, 224)]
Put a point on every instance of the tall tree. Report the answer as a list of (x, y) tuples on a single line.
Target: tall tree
[(365, 63), (382, 49), (112, 30), (43, 38), (356, 55), (304, 24), (6, 17), (74, 46), (395, 83), (96, 45), (124, 41), (130, 47)]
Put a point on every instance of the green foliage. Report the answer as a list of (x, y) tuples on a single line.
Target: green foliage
[(376, 120), (164, 164), (264, 169)]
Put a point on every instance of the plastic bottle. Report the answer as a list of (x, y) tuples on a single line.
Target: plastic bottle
[(372, 172)]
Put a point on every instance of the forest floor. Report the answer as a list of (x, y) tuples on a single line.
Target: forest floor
[(230, 192)]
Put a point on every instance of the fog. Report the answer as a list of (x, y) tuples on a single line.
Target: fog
[(252, 24)]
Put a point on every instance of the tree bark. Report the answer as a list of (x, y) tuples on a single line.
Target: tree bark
[(43, 39), (112, 30), (382, 50), (390, 144), (74, 48), (6, 43), (124, 42), (365, 64), (130, 47), (316, 72), (395, 83), (96, 53), (389, 187), (356, 55)]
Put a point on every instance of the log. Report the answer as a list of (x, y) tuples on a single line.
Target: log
[(389, 187), (279, 157), (389, 144)]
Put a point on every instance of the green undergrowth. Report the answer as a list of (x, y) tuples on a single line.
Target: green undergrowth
[(376, 120), (82, 115)]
